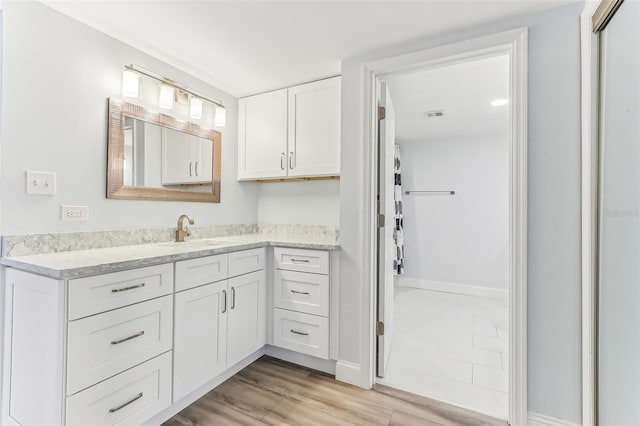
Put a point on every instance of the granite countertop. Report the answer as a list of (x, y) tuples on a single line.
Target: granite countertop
[(74, 264)]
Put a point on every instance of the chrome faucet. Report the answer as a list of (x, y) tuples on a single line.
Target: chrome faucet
[(182, 230)]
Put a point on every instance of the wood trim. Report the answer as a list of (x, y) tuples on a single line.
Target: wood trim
[(116, 189), (298, 179), (603, 14)]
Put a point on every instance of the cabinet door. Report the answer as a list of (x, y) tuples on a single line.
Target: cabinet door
[(262, 136), (200, 334), (203, 166), (314, 129), (178, 152), (246, 332)]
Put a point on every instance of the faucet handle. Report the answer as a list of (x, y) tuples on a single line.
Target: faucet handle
[(187, 231)]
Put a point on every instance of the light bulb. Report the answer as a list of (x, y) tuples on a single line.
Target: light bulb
[(196, 108), (221, 116), (130, 84), (166, 97)]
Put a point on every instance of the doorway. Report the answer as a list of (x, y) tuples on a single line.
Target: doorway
[(380, 75)]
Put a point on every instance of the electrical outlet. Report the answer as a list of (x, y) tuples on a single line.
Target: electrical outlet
[(40, 183), (75, 213)]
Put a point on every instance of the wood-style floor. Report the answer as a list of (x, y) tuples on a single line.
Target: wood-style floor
[(274, 392)]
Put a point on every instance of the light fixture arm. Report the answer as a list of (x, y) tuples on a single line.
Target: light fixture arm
[(144, 71)]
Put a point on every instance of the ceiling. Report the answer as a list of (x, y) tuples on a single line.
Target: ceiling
[(464, 92), (248, 47)]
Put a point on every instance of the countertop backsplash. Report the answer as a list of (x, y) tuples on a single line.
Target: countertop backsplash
[(30, 244)]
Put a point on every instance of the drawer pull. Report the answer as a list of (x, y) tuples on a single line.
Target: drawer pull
[(233, 297), (299, 292), (302, 333), (117, 342), (118, 290), (120, 407), (300, 260)]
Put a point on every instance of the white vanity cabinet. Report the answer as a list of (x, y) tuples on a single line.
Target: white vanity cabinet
[(304, 316), (186, 159), (218, 323), (290, 133), (104, 360), (134, 346)]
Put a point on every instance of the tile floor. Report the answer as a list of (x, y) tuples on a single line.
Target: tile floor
[(452, 348)]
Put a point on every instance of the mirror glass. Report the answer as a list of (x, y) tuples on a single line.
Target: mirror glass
[(155, 156), (160, 157)]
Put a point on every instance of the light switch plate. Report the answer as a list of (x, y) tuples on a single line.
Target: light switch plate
[(75, 213), (40, 183)]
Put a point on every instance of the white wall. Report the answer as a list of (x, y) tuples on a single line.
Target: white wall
[(554, 340), (300, 203), (463, 238), (58, 74)]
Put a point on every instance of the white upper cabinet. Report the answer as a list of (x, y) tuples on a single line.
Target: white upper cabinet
[(290, 133), (186, 159), (262, 136), (314, 129)]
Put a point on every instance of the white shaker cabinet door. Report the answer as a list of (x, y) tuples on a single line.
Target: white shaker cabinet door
[(247, 321), (314, 129), (200, 337), (178, 154), (203, 165), (262, 136)]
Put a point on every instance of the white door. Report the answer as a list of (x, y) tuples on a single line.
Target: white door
[(262, 136), (386, 206), (178, 152), (314, 129), (199, 346), (247, 331)]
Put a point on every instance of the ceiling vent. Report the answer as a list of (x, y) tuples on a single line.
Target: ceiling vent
[(434, 114)]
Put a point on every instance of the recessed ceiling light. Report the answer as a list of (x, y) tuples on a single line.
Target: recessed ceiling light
[(434, 114), (499, 102)]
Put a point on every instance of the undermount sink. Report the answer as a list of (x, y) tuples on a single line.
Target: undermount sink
[(195, 243)]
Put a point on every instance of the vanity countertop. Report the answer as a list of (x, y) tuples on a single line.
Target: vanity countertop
[(74, 264)]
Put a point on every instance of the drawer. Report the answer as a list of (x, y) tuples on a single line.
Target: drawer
[(301, 260), (92, 295), (104, 345), (131, 398), (308, 334), (203, 270), (302, 292), (243, 262)]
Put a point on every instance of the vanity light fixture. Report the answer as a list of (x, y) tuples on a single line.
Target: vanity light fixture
[(130, 84), (166, 96), (171, 91), (196, 108), (221, 117)]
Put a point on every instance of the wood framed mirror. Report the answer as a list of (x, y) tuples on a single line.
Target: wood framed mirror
[(154, 156)]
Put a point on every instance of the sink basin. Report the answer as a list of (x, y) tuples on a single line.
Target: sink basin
[(195, 243)]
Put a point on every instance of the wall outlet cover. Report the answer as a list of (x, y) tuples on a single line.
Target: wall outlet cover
[(75, 213)]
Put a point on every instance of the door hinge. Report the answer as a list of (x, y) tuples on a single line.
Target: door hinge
[(381, 113), (380, 221), (379, 328)]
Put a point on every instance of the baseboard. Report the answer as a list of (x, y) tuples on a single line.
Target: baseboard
[(469, 290), (349, 372), (184, 402), (537, 419), (324, 365)]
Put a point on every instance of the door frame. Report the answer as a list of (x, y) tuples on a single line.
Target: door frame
[(594, 18), (514, 44)]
